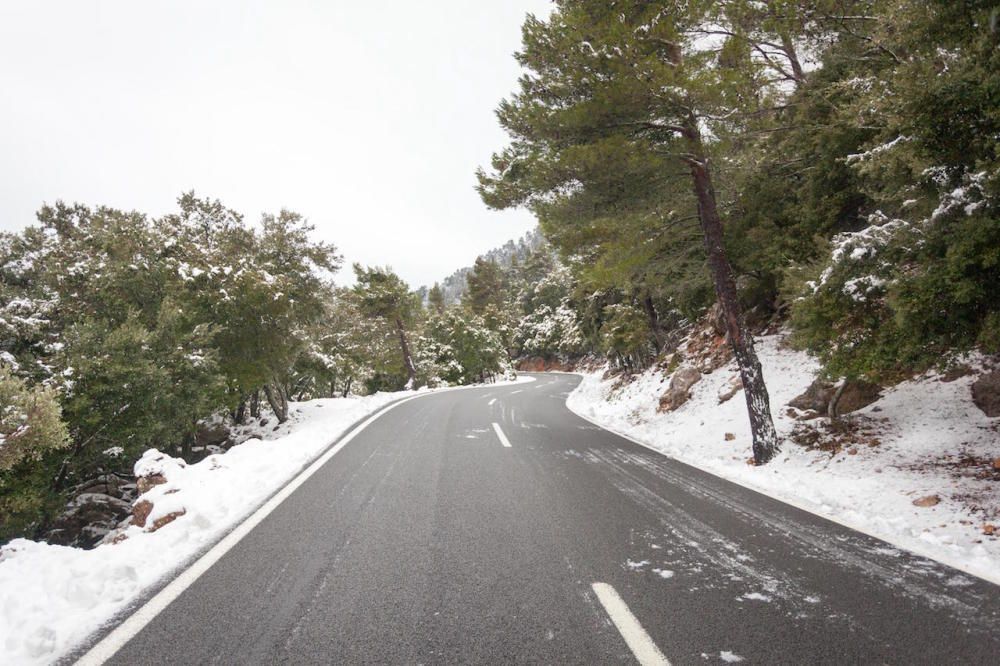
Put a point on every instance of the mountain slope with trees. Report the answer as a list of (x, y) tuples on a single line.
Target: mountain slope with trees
[(826, 166), (121, 333)]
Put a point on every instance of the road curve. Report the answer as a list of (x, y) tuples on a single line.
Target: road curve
[(492, 525)]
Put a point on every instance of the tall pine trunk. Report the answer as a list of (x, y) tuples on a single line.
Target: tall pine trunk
[(765, 437), (411, 370)]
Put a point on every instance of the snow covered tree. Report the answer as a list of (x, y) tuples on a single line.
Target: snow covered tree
[(627, 88), (31, 428), (381, 294), (915, 279), (461, 348)]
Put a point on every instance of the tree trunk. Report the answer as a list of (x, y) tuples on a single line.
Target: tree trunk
[(278, 400), (411, 370), (765, 437), (187, 443), (240, 413), (347, 386), (255, 404), (788, 47), (659, 339)]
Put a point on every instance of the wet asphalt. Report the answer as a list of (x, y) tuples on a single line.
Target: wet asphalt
[(426, 541)]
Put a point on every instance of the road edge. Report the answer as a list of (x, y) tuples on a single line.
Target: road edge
[(989, 577), (105, 642)]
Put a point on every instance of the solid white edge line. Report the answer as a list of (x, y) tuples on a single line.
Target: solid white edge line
[(502, 437), (108, 646), (988, 576), (638, 641)]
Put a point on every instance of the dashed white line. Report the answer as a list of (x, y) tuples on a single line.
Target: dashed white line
[(642, 646), (502, 437), (490, 403)]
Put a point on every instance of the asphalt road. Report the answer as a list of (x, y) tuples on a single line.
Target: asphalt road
[(427, 540)]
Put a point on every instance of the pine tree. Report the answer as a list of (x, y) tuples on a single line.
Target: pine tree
[(380, 293), (626, 84), (435, 297)]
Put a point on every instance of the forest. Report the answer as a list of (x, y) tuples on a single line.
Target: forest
[(827, 168)]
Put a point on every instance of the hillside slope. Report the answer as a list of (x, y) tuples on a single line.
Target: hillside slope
[(918, 467)]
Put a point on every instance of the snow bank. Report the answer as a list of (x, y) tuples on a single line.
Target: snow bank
[(53, 597), (926, 427)]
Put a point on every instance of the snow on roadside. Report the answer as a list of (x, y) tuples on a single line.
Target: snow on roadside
[(53, 597), (926, 427)]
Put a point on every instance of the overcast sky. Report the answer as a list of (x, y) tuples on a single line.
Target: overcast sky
[(369, 117)]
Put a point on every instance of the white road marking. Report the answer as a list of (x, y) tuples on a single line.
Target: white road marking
[(502, 437), (490, 403), (516, 392), (642, 646), (114, 641)]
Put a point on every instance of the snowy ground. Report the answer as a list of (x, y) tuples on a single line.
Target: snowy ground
[(931, 440), (53, 597)]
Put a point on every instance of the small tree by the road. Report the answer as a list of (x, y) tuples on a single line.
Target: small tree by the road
[(382, 294)]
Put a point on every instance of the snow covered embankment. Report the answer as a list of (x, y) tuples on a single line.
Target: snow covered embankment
[(923, 440), (53, 597)]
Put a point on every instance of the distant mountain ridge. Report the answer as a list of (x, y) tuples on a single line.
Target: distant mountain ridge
[(454, 285)]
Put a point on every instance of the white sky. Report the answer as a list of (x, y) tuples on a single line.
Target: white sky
[(369, 117)]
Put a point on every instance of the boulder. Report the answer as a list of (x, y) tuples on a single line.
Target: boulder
[(816, 398), (928, 501), (163, 520), (146, 483), (680, 389), (856, 395), (87, 519), (211, 434), (142, 510), (115, 485), (829, 399), (986, 393), (955, 373), (730, 389)]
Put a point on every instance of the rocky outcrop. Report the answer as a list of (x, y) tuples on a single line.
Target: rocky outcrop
[(826, 399), (211, 434), (986, 393), (115, 485), (680, 388), (852, 396), (927, 502), (816, 398), (539, 364), (87, 519), (142, 510), (146, 483)]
